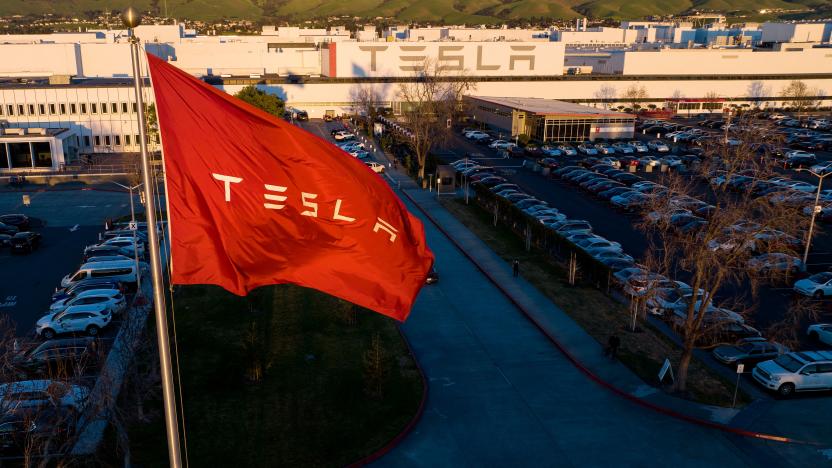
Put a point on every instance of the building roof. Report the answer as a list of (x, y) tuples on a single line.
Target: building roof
[(18, 133), (542, 106)]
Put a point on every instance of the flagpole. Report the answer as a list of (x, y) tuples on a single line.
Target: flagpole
[(131, 19)]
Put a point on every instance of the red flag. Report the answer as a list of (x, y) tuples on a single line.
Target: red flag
[(255, 200)]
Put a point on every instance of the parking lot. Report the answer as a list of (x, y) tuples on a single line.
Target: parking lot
[(68, 220)]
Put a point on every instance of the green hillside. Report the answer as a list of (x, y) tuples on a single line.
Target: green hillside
[(447, 11)]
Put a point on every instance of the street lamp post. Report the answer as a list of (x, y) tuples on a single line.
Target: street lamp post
[(133, 220), (815, 209), (130, 17)]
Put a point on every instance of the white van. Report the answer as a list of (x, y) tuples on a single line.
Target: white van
[(120, 270)]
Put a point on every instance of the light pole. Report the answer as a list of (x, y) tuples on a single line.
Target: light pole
[(133, 220), (130, 17), (815, 209)]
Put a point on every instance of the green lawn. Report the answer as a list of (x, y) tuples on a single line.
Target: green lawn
[(282, 379)]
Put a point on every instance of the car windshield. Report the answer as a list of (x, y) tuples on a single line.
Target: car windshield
[(746, 347), (789, 363), (821, 277)]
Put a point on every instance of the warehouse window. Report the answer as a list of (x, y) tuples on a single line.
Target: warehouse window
[(103, 107), (117, 139), (135, 108), (114, 108), (31, 109), (52, 109), (126, 140), (43, 154), (97, 140), (73, 109), (63, 109), (20, 155), (42, 109), (107, 140), (93, 108), (10, 109), (123, 107)]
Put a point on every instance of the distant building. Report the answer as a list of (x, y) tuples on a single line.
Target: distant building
[(548, 120), (36, 149)]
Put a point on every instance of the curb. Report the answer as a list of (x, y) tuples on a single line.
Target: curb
[(395, 441), (79, 189), (594, 377)]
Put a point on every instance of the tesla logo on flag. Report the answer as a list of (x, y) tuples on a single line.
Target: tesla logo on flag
[(306, 198)]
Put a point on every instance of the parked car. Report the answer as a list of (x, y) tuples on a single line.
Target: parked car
[(623, 148), (376, 167), (42, 393), (25, 242), (748, 352), (59, 357), (20, 221), (42, 430), (796, 372), (112, 299), (343, 135), (122, 271), (775, 263), (86, 285), (127, 243), (587, 149), (817, 286), (658, 145), (821, 332), (105, 250), (639, 146), (89, 319), (567, 150)]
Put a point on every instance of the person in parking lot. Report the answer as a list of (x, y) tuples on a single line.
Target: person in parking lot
[(612, 346), (515, 268)]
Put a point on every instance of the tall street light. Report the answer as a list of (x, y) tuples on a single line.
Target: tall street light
[(133, 223), (815, 209), (130, 17)]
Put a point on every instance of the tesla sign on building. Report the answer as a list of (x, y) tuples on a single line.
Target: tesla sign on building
[(392, 59)]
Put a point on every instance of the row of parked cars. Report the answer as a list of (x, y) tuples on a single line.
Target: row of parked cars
[(15, 233), (347, 142), (46, 392)]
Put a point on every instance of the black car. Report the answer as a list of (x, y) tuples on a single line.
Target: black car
[(25, 242), (748, 352), (61, 358), (5, 240), (20, 221), (793, 162), (28, 429), (86, 285), (8, 229)]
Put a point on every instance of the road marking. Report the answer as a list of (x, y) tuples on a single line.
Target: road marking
[(10, 301), (74, 228), (86, 206)]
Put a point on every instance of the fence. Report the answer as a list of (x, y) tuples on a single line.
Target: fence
[(543, 238)]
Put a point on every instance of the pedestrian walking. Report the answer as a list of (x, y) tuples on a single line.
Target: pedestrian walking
[(612, 346), (515, 268)]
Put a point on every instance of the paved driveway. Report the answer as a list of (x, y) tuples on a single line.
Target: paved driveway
[(502, 395)]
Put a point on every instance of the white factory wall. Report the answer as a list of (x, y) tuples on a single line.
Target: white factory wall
[(792, 32), (727, 62), (39, 59), (475, 58)]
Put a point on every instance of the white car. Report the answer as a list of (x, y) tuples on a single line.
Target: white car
[(818, 285), (376, 167), (822, 168), (604, 148), (801, 186), (42, 393), (567, 150), (799, 153), (587, 149), (343, 135), (127, 244), (87, 319), (624, 148), (476, 135), (821, 332), (639, 146), (658, 145), (112, 299), (598, 243), (795, 372)]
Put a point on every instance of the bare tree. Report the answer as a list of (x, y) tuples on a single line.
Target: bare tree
[(714, 255), (757, 91), (606, 94), (798, 96), (366, 100), (633, 95), (712, 101), (428, 102)]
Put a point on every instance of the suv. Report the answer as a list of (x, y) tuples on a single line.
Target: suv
[(88, 318), (795, 372), (25, 242), (56, 356)]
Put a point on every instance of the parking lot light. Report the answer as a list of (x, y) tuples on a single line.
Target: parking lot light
[(814, 209)]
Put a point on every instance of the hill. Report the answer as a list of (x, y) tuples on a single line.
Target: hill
[(447, 11)]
